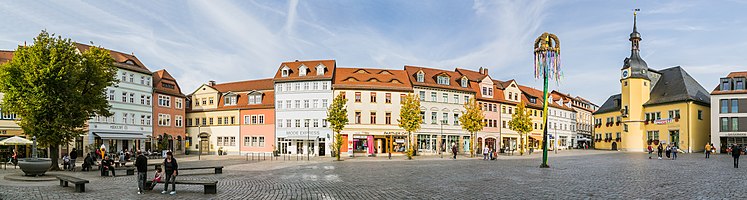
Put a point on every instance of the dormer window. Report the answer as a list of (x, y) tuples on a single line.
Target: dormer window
[(739, 83), (320, 70), (255, 98), (302, 70), (443, 80), (421, 77), (464, 81), (725, 84), (533, 100), (229, 99), (285, 71), (130, 62)]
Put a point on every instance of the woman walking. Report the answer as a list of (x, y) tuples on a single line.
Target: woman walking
[(674, 152), (650, 151), (171, 170), (659, 150), (735, 153), (708, 150)]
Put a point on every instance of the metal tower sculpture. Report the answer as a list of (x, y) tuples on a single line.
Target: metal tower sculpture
[(546, 66)]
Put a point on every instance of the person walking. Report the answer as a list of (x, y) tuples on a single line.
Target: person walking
[(708, 150), (171, 169), (141, 163), (73, 156), (485, 152), (659, 150), (735, 153), (674, 152), (650, 151), (669, 151), (454, 150)]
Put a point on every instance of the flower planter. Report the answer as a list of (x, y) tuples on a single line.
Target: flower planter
[(676, 119)]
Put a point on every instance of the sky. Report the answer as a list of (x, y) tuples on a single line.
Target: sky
[(198, 41)]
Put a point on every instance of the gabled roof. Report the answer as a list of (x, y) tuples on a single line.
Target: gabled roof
[(243, 86), (162, 76), (430, 79), (294, 66), (382, 79), (527, 93), (676, 85), (717, 90), (120, 59), (471, 75), (611, 105)]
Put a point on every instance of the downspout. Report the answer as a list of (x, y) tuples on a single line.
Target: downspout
[(689, 129)]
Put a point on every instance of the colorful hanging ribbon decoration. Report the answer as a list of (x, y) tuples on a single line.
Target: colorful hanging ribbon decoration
[(547, 60)]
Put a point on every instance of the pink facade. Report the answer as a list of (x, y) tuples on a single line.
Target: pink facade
[(257, 130)]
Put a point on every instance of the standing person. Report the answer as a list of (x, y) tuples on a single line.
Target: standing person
[(171, 169), (650, 151), (141, 163), (103, 151), (15, 157), (669, 150), (73, 156), (674, 152), (485, 153), (454, 150), (708, 150), (659, 150), (735, 153)]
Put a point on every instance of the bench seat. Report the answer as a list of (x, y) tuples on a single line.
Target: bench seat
[(210, 187), (218, 169), (80, 184)]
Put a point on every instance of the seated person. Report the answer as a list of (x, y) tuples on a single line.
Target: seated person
[(65, 162), (87, 162), (106, 165)]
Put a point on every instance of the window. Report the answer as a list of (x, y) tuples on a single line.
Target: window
[(132, 78), (229, 99), (700, 115), (233, 120), (388, 118), (280, 123), (373, 97), (373, 117), (219, 141), (132, 97), (324, 85), (485, 90), (279, 104), (445, 97), (658, 115), (456, 98), (316, 85), (247, 141), (204, 121), (254, 119), (504, 123), (285, 72), (316, 123), (446, 118), (306, 103), (288, 104), (320, 70), (297, 86), (124, 97), (739, 85), (357, 97), (324, 103), (434, 117), (302, 71), (618, 135), (422, 117), (443, 80), (211, 100), (734, 106), (433, 96), (725, 84), (298, 123), (220, 120), (247, 119), (164, 101), (124, 76), (204, 101), (298, 104), (111, 95), (724, 124), (324, 122), (261, 141), (178, 121), (734, 124), (288, 123), (357, 117), (316, 103), (255, 99), (422, 95), (211, 121), (306, 86), (421, 77), (387, 97), (464, 82), (402, 98), (164, 119), (466, 99), (233, 141)]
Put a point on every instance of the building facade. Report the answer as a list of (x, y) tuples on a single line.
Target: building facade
[(373, 101), (584, 121), (561, 121), (634, 119), (303, 92), (169, 111), (442, 97), (489, 98), (9, 121), (729, 116)]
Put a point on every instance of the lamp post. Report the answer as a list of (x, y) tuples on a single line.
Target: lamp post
[(308, 136), (199, 130), (442, 137), (547, 66)]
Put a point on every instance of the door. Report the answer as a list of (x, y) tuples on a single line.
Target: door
[(321, 147), (205, 146), (674, 137), (614, 146)]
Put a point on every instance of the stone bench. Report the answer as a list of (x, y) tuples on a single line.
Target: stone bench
[(210, 187), (80, 184), (218, 169)]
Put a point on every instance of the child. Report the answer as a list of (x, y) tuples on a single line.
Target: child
[(156, 179), (65, 162)]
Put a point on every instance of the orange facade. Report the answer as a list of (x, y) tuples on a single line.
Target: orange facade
[(169, 105), (257, 130)]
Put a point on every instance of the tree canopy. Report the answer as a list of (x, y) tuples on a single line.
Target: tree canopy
[(410, 119), (521, 122), (55, 89), (337, 116), (472, 120)]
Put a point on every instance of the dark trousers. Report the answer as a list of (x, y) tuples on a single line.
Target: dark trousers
[(141, 176), (708, 154), (736, 162), (169, 179), (659, 153)]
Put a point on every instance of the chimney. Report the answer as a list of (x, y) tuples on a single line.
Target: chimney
[(211, 83), (483, 71)]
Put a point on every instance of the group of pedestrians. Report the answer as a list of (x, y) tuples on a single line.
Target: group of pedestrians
[(670, 150), (170, 171), (735, 151), (487, 153)]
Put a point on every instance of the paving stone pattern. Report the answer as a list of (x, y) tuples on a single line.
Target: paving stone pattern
[(594, 176)]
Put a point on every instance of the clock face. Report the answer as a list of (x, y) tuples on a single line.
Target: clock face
[(625, 73)]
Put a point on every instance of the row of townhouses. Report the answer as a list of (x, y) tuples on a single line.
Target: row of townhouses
[(287, 113)]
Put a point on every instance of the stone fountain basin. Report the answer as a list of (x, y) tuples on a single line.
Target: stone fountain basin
[(34, 167)]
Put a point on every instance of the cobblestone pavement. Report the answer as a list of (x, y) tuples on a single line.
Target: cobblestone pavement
[(581, 175)]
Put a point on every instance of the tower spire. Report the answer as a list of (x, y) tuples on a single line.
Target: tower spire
[(635, 37)]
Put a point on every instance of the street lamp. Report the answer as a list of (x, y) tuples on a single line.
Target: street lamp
[(308, 136), (199, 130), (442, 137)]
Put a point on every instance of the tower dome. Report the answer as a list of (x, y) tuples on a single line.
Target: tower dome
[(638, 67)]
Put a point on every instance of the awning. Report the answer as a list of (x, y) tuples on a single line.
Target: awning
[(583, 139), (119, 136), (536, 137), (301, 137)]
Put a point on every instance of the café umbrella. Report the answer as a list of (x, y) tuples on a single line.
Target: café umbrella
[(15, 140)]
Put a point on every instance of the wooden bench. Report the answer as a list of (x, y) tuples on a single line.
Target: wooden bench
[(130, 170), (80, 184), (210, 187), (218, 169), (156, 165)]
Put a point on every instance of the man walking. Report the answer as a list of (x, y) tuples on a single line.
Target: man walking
[(454, 150), (708, 150), (659, 150), (73, 156), (674, 152), (141, 163), (735, 153)]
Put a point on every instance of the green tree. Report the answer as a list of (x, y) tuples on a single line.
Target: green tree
[(55, 89), (522, 124), (472, 120), (337, 116), (410, 119)]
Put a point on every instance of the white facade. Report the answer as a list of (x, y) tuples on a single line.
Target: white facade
[(561, 128), (131, 105), (728, 120), (437, 105), (296, 103)]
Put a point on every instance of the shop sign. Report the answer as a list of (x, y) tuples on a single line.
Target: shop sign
[(302, 133), (735, 134), (663, 121), (117, 127), (395, 133), (359, 136), (400, 140)]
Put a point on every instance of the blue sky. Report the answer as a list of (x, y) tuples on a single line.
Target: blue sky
[(197, 41)]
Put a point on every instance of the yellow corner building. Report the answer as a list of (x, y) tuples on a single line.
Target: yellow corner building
[(655, 107)]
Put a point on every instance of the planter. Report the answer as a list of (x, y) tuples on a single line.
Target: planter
[(676, 119), (645, 122), (656, 142), (34, 167), (618, 139)]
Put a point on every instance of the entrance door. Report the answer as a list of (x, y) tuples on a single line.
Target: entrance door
[(321, 147), (614, 146), (674, 136), (205, 146)]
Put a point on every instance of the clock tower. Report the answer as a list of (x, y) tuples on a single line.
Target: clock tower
[(636, 90)]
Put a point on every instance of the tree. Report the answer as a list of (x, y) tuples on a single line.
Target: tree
[(410, 119), (55, 89), (337, 116), (472, 120), (522, 124)]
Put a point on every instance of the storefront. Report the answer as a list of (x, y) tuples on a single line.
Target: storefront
[(726, 142)]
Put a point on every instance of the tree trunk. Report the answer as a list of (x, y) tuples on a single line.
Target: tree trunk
[(521, 144), (54, 156), (472, 145)]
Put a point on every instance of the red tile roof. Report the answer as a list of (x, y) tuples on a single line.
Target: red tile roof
[(162, 77), (310, 75), (742, 74), (5, 56), (120, 59), (430, 79), (362, 78), (239, 86)]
